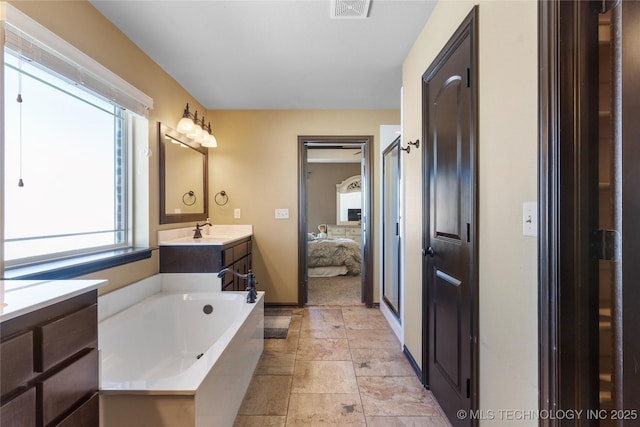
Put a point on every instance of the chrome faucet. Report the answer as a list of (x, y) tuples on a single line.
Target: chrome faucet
[(198, 231), (251, 282)]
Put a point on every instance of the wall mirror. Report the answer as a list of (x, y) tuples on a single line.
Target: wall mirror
[(349, 201), (391, 227), (183, 178)]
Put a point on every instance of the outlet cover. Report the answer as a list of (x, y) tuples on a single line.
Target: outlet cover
[(282, 213), (236, 213)]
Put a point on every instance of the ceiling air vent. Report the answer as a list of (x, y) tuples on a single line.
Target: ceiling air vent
[(350, 9)]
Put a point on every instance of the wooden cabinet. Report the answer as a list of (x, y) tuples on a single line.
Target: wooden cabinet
[(236, 258), (49, 366), (209, 259)]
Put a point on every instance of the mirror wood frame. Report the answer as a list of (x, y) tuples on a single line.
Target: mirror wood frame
[(166, 218), (343, 188)]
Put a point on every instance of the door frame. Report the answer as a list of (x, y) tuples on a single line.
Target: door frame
[(468, 28), (367, 234), (568, 373)]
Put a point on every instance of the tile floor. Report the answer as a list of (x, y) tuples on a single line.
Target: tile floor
[(338, 366)]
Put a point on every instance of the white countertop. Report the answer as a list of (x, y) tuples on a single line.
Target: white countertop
[(211, 235), (24, 296)]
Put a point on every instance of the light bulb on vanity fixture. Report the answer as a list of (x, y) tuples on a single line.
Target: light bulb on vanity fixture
[(196, 129)]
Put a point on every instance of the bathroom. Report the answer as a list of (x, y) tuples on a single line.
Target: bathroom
[(255, 164)]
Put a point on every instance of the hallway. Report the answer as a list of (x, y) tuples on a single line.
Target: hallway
[(337, 366)]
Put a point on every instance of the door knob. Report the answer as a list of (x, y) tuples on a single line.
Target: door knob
[(429, 251)]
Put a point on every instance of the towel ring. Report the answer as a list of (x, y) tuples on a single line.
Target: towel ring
[(223, 196), (189, 198)]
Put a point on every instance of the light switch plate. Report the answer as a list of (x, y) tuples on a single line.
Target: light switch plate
[(282, 213), (530, 219), (236, 213)]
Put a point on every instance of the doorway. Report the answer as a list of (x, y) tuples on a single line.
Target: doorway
[(588, 211), (334, 240)]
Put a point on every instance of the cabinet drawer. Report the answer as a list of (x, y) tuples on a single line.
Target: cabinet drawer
[(69, 385), (16, 362), (20, 411), (65, 336), (86, 415)]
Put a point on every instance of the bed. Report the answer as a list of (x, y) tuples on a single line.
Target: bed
[(333, 257)]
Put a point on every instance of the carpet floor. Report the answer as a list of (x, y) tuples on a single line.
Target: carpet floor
[(337, 291)]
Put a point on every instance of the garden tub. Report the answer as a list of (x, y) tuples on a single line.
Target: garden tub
[(179, 358)]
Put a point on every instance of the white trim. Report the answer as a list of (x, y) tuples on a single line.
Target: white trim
[(21, 25)]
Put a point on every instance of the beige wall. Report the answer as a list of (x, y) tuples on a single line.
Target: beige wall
[(256, 163), (507, 178)]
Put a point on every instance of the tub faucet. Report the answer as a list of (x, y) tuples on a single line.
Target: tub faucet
[(198, 231), (251, 282)]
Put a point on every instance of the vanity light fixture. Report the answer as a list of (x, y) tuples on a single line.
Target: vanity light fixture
[(196, 129)]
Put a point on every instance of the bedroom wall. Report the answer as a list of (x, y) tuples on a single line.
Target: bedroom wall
[(321, 191), (508, 117)]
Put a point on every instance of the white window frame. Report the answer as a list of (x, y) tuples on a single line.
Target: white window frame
[(22, 34)]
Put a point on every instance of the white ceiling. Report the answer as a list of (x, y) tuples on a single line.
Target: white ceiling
[(275, 54)]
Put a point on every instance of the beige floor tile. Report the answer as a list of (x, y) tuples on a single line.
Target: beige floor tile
[(342, 409), (322, 315), (338, 366), (362, 338), (326, 331), (364, 318), (274, 362), (320, 322), (433, 421), (323, 349), (397, 396), (260, 421), (296, 321), (267, 395), (324, 376), (380, 362)]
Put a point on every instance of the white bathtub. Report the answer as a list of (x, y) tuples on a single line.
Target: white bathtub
[(166, 362)]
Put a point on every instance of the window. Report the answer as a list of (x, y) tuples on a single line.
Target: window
[(65, 163), (67, 148)]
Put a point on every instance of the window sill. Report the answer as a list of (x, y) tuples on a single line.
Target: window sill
[(77, 266)]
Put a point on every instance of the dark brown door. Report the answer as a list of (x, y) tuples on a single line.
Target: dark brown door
[(450, 223)]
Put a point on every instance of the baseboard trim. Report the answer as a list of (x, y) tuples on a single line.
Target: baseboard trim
[(412, 361), (281, 304)]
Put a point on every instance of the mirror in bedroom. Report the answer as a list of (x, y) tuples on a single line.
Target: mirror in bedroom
[(335, 268)]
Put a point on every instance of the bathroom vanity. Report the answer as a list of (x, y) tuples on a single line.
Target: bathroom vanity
[(49, 353), (227, 246)]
